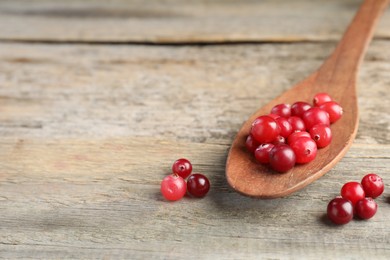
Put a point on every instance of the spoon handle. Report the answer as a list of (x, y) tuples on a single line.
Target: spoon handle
[(341, 68)]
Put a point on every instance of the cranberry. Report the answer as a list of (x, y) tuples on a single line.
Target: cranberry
[(198, 185), (279, 140), (285, 126), (340, 211), (281, 158), (315, 116), (373, 185), (251, 144), (265, 129), (321, 134), (182, 167), (273, 116), (366, 208), (334, 110), (283, 110), (262, 153), (321, 98), (298, 108), (305, 149), (294, 136), (297, 123), (352, 191), (173, 187)]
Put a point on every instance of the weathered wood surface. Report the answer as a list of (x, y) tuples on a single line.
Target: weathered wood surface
[(87, 132), (177, 21)]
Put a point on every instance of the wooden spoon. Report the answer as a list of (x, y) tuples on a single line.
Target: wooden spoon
[(337, 77)]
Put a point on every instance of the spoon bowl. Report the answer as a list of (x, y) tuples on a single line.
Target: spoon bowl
[(337, 77)]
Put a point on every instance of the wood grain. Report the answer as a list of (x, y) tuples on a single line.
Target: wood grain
[(87, 132), (177, 21)]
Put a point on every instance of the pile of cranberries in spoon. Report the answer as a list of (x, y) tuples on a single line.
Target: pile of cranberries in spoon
[(291, 135)]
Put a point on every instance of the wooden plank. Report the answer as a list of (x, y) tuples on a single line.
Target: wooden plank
[(178, 21), (87, 133)]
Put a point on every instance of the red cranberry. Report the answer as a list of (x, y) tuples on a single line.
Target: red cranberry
[(182, 167), (265, 129), (315, 116), (251, 144), (281, 158), (262, 153), (373, 185), (298, 108), (305, 149), (334, 110), (352, 191), (366, 208), (321, 98), (340, 211), (173, 187), (297, 123), (285, 127), (279, 140), (321, 134), (198, 185), (273, 116), (283, 110), (294, 136)]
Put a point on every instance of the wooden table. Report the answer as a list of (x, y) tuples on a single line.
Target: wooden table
[(98, 98)]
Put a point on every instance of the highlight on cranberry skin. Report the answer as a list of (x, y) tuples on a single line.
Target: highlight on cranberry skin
[(373, 185), (340, 211)]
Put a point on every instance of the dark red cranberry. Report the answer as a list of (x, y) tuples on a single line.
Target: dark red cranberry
[(340, 211), (305, 149), (262, 153), (182, 167), (352, 191), (298, 108), (334, 110), (265, 129), (321, 134), (373, 185), (283, 110), (281, 158), (315, 116), (297, 123), (285, 126), (321, 98), (366, 208), (198, 185), (251, 144)]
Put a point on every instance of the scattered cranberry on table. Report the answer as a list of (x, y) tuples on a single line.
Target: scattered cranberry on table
[(302, 127), (356, 199), (174, 186), (182, 167), (340, 211), (373, 185)]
